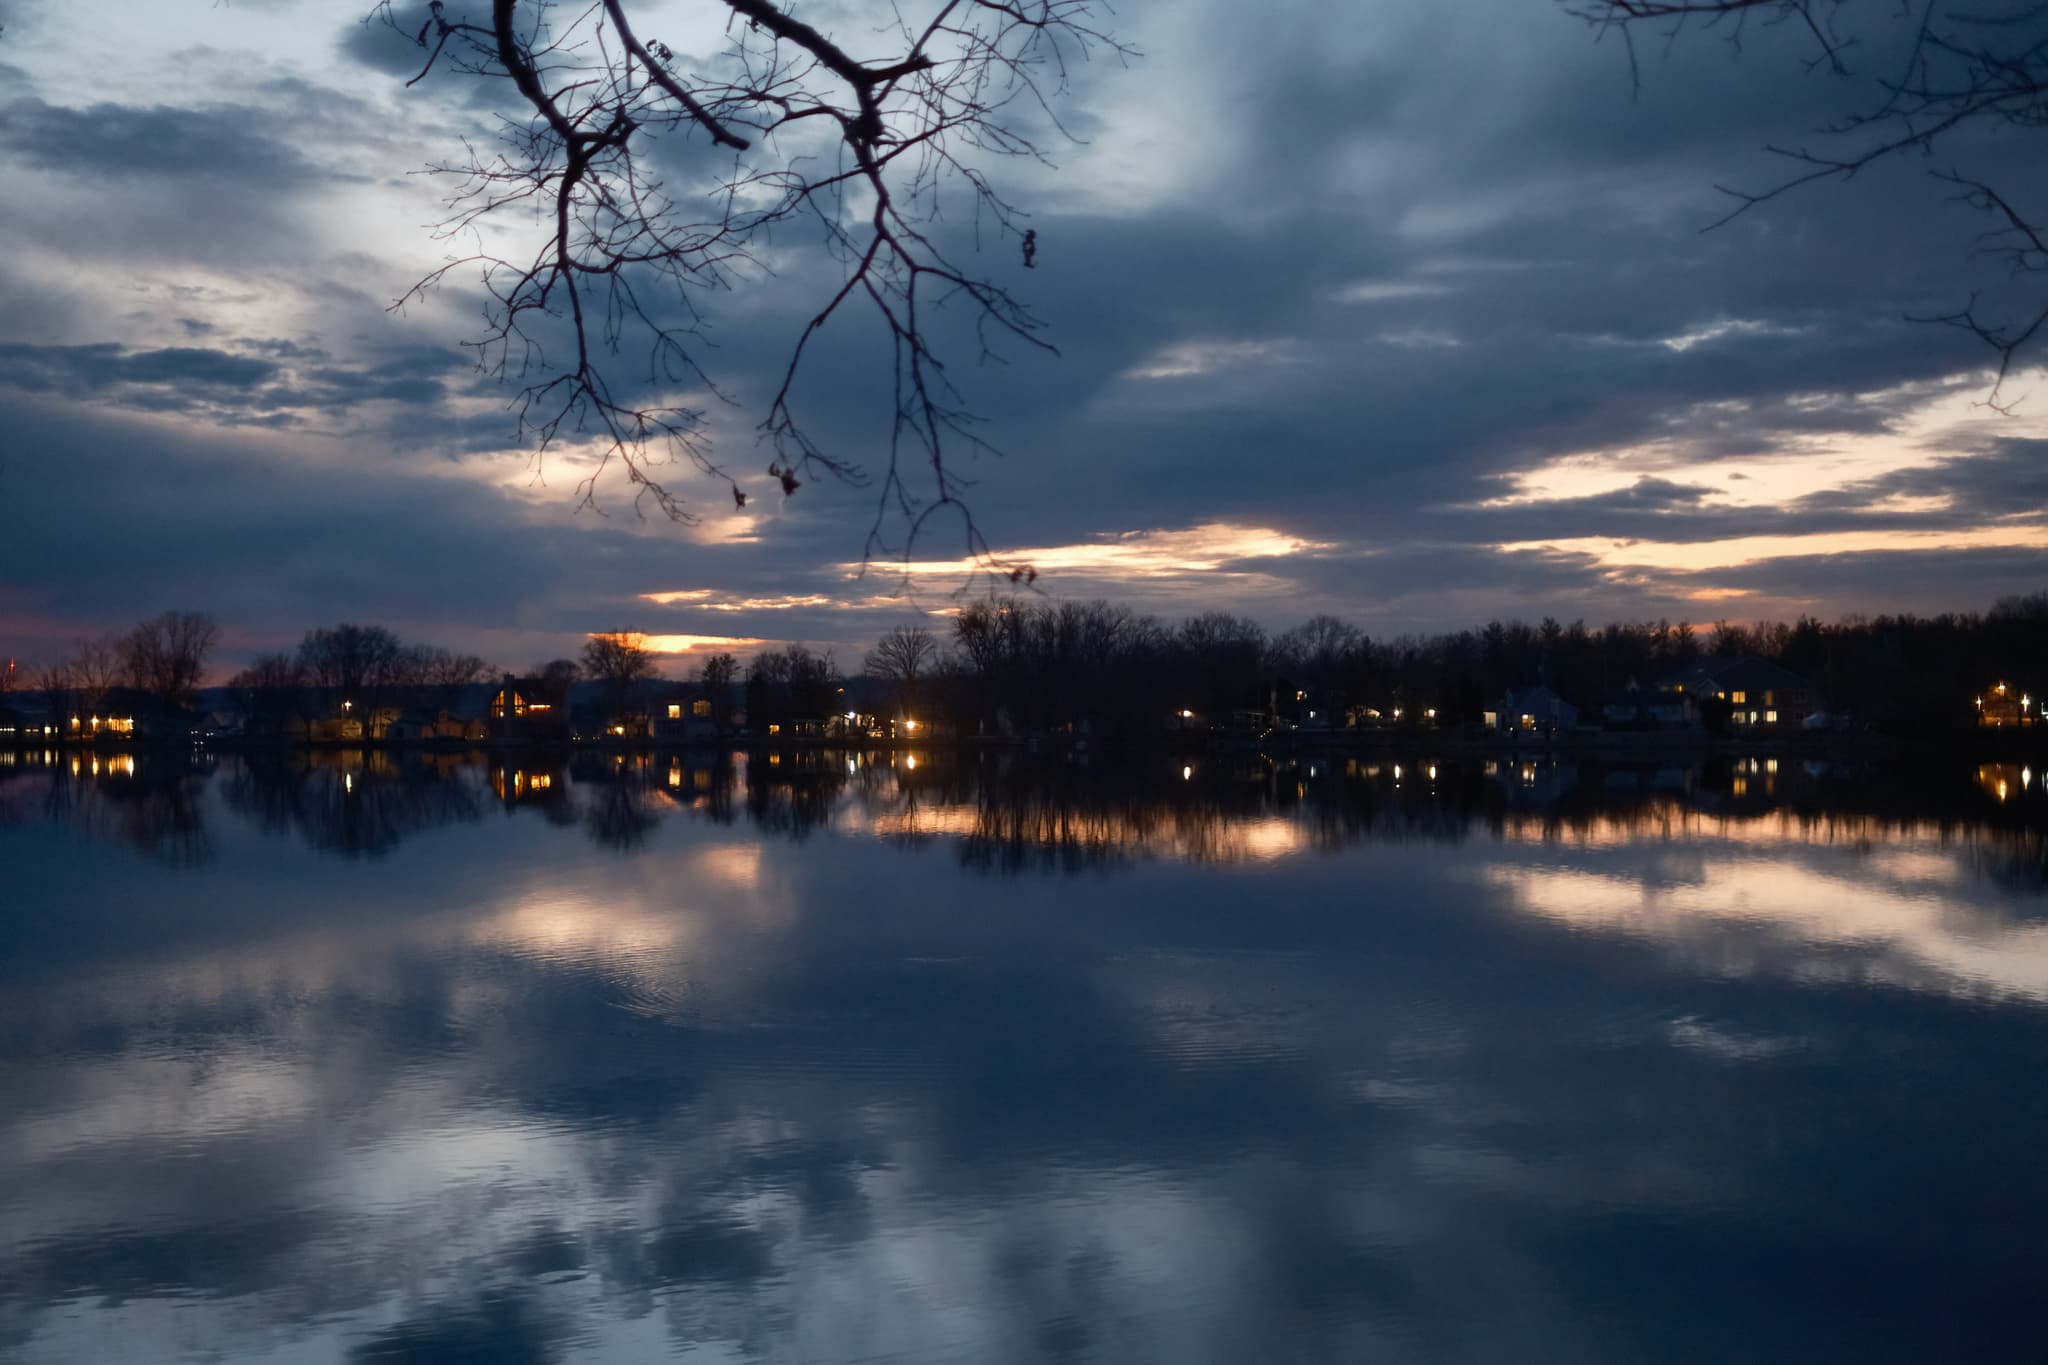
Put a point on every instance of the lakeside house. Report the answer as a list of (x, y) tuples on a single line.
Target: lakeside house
[(1758, 693), (2003, 706), (1532, 711)]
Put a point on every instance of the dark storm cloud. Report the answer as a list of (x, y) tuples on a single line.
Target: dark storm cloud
[(1916, 579), (90, 369), (229, 386), (103, 140), (1409, 265)]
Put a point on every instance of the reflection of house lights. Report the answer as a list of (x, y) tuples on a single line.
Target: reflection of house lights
[(1397, 713), (1432, 772), (348, 782), (1187, 774), (2026, 778), (910, 762)]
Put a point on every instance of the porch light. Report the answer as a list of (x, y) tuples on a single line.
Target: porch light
[(1187, 774), (910, 725)]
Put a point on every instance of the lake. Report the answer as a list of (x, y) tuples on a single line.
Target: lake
[(813, 1056)]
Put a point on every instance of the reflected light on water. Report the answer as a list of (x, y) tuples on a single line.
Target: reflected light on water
[(1922, 933)]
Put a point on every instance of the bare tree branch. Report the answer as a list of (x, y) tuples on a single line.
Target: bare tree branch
[(864, 150)]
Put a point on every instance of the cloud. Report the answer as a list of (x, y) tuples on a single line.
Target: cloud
[(1388, 308)]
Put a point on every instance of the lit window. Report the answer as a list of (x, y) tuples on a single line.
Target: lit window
[(1770, 717), (1738, 697), (1770, 699), (701, 708), (675, 710), (775, 729)]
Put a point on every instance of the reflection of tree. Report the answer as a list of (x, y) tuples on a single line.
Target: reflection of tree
[(794, 794), (154, 805), (350, 803), (619, 814)]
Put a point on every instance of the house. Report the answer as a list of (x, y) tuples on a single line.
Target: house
[(1759, 694), (1533, 710), (2003, 706), (410, 726), (681, 713), (1635, 709), (26, 725)]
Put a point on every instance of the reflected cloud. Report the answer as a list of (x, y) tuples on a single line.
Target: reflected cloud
[(1926, 933)]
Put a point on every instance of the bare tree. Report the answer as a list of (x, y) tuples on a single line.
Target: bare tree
[(96, 667), (1927, 78), (58, 682), (272, 685), (166, 655), (553, 679), (432, 666), (356, 661), (718, 675), (787, 125), (900, 658), (902, 655), (618, 659)]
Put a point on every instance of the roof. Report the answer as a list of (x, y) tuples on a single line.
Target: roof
[(1519, 698), (1748, 673)]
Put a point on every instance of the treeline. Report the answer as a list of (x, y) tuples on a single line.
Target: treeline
[(1031, 666), (1046, 666), (163, 658)]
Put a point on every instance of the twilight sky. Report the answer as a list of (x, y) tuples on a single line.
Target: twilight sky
[(1398, 310)]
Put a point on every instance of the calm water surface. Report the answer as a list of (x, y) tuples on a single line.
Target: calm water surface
[(818, 1058)]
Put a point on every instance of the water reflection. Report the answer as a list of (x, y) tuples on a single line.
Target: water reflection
[(828, 1059)]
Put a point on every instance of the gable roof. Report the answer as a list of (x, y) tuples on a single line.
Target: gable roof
[(1747, 673)]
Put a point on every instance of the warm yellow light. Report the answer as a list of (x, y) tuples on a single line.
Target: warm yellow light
[(910, 762), (1432, 772), (541, 781), (1187, 774), (1430, 714), (348, 782), (1187, 715), (1397, 713), (1397, 772), (910, 725)]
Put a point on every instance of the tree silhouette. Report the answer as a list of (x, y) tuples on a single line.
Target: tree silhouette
[(1930, 78), (786, 125)]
